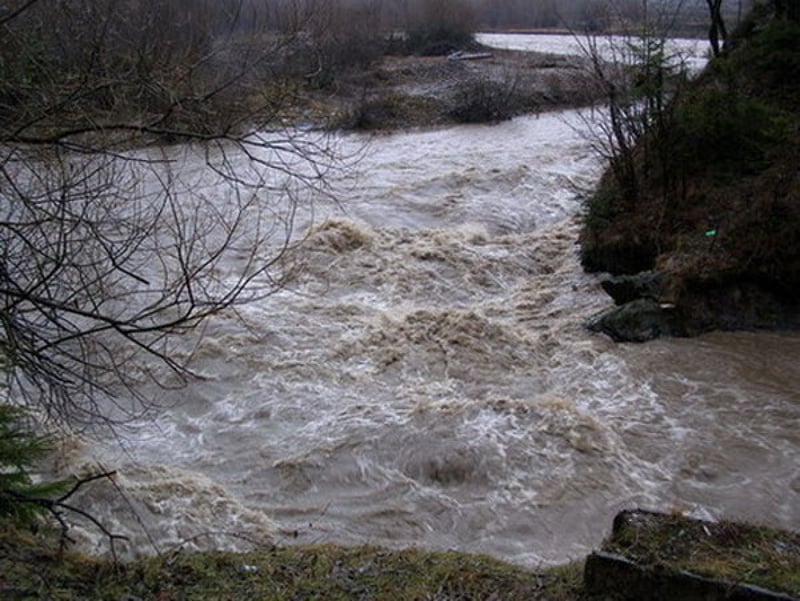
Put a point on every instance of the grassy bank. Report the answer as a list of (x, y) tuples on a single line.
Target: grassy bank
[(32, 567)]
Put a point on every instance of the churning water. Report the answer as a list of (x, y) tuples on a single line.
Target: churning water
[(428, 380)]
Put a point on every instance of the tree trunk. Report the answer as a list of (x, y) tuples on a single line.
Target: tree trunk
[(717, 32)]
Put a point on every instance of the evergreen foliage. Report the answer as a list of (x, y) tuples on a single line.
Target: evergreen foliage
[(729, 124), (20, 449), (724, 131)]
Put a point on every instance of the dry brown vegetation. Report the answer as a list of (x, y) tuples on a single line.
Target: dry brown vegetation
[(417, 91)]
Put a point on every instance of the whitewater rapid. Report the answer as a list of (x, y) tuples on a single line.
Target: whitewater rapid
[(426, 379)]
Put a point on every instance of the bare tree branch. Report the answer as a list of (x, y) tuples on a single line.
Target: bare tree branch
[(113, 245), (16, 12), (57, 508)]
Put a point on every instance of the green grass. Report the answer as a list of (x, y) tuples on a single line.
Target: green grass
[(31, 567)]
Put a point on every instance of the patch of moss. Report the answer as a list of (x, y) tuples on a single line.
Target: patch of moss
[(735, 552)]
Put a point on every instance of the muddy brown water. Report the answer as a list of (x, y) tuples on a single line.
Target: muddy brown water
[(428, 381)]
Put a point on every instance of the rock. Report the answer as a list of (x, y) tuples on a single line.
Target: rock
[(626, 288), (662, 557), (636, 321), (610, 574)]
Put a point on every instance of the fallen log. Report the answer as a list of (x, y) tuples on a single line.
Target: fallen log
[(468, 56)]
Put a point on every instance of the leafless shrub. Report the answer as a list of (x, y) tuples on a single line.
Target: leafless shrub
[(333, 38), (636, 78), (486, 99)]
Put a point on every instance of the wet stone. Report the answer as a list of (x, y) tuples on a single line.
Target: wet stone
[(662, 557), (637, 321), (627, 288)]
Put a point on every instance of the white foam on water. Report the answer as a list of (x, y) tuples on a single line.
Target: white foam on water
[(426, 380)]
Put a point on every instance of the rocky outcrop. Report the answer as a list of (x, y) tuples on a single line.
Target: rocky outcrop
[(606, 572), (639, 320), (644, 308), (627, 288), (654, 304)]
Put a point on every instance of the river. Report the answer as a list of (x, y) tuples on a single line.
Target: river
[(690, 52), (428, 380)]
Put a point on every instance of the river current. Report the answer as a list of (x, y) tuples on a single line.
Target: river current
[(428, 381)]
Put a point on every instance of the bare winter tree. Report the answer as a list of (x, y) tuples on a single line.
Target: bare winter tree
[(637, 76), (111, 242), (717, 32), (339, 36)]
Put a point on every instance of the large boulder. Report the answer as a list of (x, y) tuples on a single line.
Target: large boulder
[(626, 288), (636, 321)]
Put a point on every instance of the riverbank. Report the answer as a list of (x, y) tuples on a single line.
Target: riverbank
[(32, 567), (709, 209), (647, 556), (403, 92)]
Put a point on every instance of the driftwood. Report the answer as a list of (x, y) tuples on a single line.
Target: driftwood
[(468, 56)]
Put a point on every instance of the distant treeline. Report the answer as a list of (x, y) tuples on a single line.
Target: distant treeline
[(593, 15), (213, 18)]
